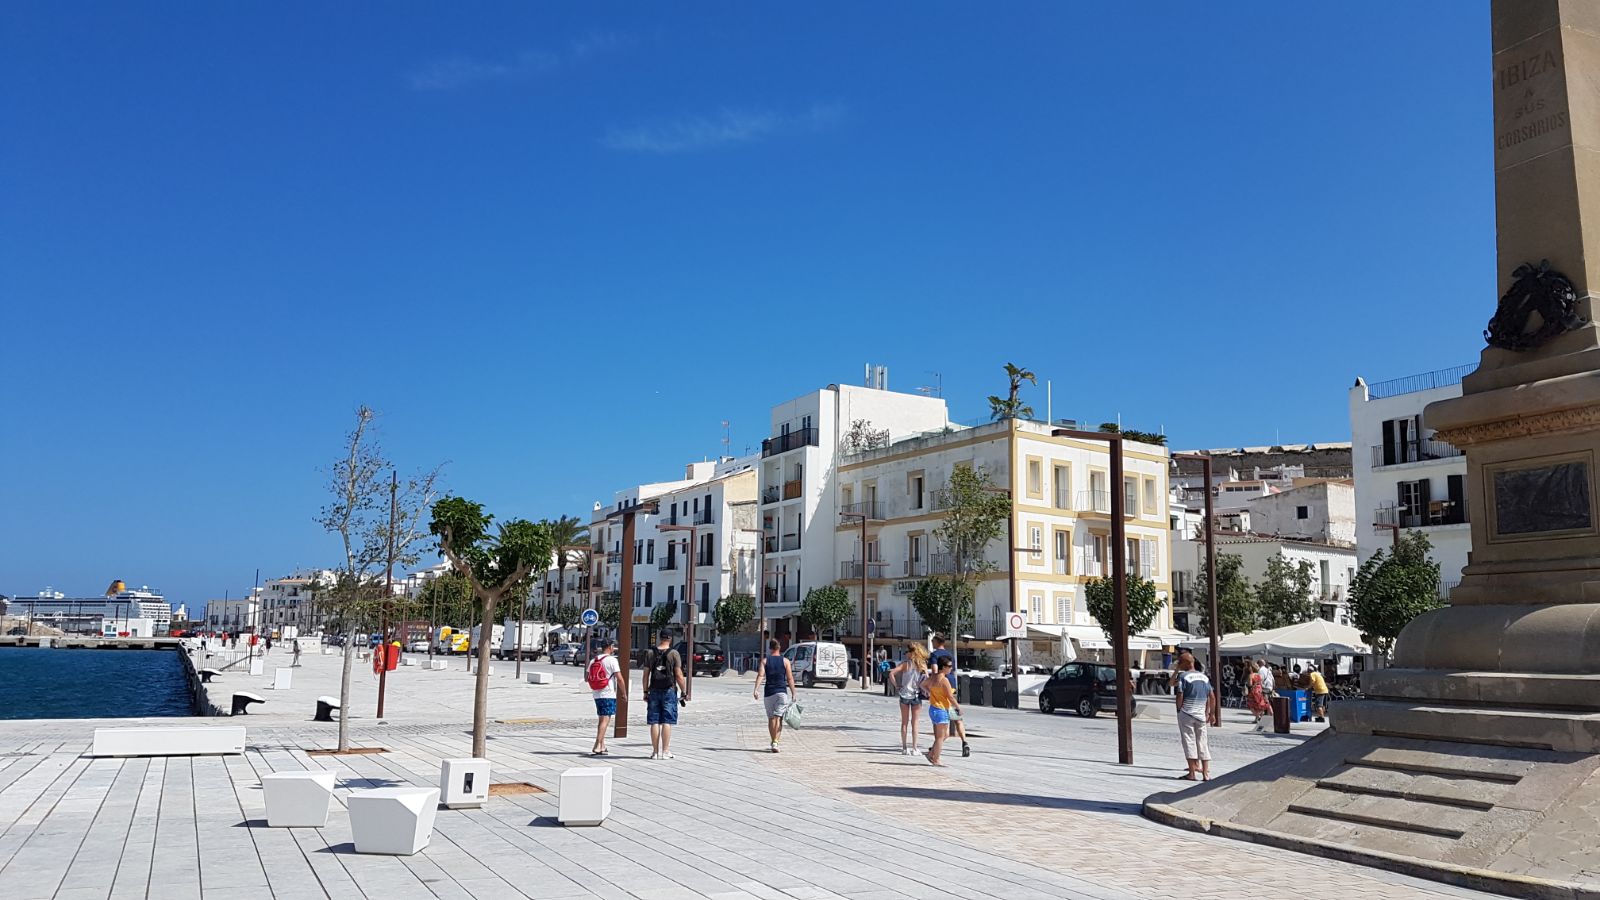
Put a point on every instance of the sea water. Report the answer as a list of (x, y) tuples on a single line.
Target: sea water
[(48, 683)]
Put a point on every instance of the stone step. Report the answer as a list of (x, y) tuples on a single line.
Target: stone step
[(1537, 730), (1323, 831), (1442, 758), (1414, 816), (1454, 790)]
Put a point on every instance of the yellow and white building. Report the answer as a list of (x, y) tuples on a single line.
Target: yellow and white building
[(1060, 526)]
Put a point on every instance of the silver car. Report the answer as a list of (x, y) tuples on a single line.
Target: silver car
[(567, 654)]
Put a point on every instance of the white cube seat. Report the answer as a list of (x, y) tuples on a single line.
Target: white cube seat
[(396, 821), (298, 799), (438, 665), (541, 678), (585, 795), (282, 679), (464, 783)]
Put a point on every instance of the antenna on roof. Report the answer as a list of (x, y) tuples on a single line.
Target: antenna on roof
[(725, 437)]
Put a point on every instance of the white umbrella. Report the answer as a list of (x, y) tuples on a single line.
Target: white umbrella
[(1316, 638)]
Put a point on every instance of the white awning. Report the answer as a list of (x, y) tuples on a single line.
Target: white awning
[(1315, 639), (1092, 637)]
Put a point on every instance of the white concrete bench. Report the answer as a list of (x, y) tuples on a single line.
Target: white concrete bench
[(464, 783), (298, 799), (207, 674), (242, 701), (326, 707), (585, 796), (282, 679), (397, 820), (169, 740), (541, 678)]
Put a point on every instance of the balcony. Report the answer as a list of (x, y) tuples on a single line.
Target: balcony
[(872, 510), (851, 570), (613, 556), (791, 490), (916, 568), (669, 564), (702, 517), (704, 560), (769, 544), (945, 564), (794, 440), (1438, 512), (1063, 500), (791, 542), (1094, 501), (1412, 451), (771, 494), (790, 593)]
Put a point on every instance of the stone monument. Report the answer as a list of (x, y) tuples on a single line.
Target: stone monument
[(1476, 758)]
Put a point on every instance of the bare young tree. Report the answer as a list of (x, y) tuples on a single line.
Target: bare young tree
[(371, 538)]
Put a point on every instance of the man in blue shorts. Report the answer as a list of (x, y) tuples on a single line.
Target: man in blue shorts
[(663, 680), (602, 677)]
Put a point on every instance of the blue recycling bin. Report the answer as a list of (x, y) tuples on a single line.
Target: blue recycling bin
[(1299, 706)]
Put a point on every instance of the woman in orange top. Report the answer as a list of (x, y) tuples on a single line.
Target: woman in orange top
[(941, 700)]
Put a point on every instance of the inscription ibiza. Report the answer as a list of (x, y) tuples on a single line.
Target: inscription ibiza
[(1523, 74), (1531, 67)]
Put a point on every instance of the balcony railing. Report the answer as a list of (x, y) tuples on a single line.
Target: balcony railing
[(702, 560), (613, 556), (791, 489), (1094, 501), (916, 568), (791, 542), (871, 509), (771, 493), (1438, 512), (670, 564), (769, 544), (1412, 451), (703, 517), (783, 443), (850, 570), (1445, 587), (945, 564), (789, 593), (1424, 382), (1063, 500)]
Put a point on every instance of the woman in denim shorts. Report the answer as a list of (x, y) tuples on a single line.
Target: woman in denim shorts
[(908, 678)]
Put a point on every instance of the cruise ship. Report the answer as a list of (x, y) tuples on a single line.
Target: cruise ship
[(137, 612)]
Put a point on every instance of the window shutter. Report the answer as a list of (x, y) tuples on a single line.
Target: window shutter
[(1458, 498), (1424, 499)]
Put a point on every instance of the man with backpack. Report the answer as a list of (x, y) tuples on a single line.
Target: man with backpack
[(604, 671), (663, 680)]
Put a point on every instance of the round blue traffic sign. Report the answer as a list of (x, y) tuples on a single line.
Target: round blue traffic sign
[(591, 618)]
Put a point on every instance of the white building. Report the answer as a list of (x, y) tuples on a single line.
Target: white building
[(1061, 503), (1405, 477), (232, 616), (287, 605), (1320, 511), (1333, 567), (798, 489)]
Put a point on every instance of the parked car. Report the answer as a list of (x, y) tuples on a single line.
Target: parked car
[(815, 661), (708, 658), (568, 654), (1084, 688), (418, 646)]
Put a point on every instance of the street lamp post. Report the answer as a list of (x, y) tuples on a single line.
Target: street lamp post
[(1211, 577), (1119, 586), (625, 618), (862, 515)]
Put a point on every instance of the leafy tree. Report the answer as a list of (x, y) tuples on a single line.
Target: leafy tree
[(565, 532), (1012, 407), (372, 536), (826, 607), (1284, 595), (943, 603), (663, 615), (447, 600), (732, 613), (1143, 604), (495, 565), (1391, 589), (975, 512), (610, 610), (567, 615), (1236, 602)]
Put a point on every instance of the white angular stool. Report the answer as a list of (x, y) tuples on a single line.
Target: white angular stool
[(464, 783), (298, 799), (397, 821), (585, 796), (541, 678), (438, 665), (282, 679)]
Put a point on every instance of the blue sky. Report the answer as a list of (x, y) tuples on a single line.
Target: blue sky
[(556, 245)]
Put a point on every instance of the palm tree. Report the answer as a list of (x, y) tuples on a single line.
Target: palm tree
[(566, 531), (1012, 406)]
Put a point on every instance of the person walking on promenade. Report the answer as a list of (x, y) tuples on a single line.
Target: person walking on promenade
[(1319, 693), (778, 675), (907, 678), (1256, 699), (295, 661), (663, 682), (1193, 696), (604, 671), (935, 659), (1269, 681), (942, 706)]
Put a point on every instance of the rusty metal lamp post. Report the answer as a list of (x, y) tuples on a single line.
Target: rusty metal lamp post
[(1211, 576), (1119, 584)]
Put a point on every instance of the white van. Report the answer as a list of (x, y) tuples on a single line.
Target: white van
[(815, 661)]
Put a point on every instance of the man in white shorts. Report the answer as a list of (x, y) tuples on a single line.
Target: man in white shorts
[(778, 674)]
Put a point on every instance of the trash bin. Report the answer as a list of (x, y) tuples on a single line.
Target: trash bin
[(963, 689), (1000, 694), (1299, 706), (977, 691), (1280, 714)]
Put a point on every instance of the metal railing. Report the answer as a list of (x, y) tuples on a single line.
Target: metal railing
[(1445, 587), (1425, 381), (1439, 512), (791, 542), (850, 569), (669, 564), (613, 556), (703, 517), (1412, 451), (872, 509), (790, 593), (783, 443), (769, 544), (1063, 499), (916, 568), (1094, 501), (771, 493)]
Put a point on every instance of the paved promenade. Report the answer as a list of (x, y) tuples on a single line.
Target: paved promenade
[(1037, 812)]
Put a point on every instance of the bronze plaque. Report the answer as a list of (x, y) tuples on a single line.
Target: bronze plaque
[(1543, 499)]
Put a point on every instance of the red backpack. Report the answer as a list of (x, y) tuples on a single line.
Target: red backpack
[(598, 677)]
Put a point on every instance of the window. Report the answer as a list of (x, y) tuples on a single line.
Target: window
[(696, 504), (1063, 484), (1063, 609), (1098, 551), (1150, 496), (1130, 495), (1063, 544), (1035, 542), (671, 588), (1149, 566), (705, 594), (649, 592), (638, 551), (650, 551), (1036, 608), (915, 489), (1035, 477), (1302, 512)]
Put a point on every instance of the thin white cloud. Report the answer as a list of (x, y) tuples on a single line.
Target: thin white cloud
[(728, 126), (459, 71)]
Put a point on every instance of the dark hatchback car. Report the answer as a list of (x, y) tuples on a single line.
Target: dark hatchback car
[(708, 658), (1085, 688)]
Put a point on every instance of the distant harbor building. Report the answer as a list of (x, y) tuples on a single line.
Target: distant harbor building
[(232, 616)]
